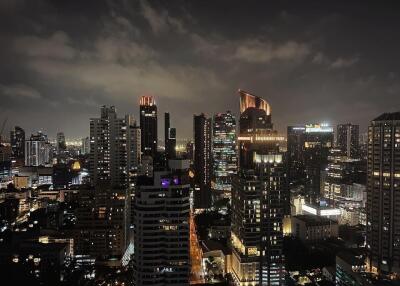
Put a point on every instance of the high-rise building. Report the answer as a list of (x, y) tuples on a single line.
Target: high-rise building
[(85, 148), (224, 152), (17, 140), (61, 144), (161, 227), (348, 139), (133, 143), (169, 138), (295, 154), (202, 161), (383, 188), (259, 193), (37, 150), (108, 149), (148, 125), (102, 221), (317, 143)]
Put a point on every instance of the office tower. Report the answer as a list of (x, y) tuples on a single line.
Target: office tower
[(108, 151), (102, 221), (85, 148), (348, 139), (259, 192), (161, 227), (133, 143), (148, 125), (318, 140), (383, 188), (295, 154), (224, 152), (169, 138), (37, 150), (202, 161), (17, 140), (61, 144)]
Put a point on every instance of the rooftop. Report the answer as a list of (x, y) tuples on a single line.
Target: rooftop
[(388, 116), (313, 220)]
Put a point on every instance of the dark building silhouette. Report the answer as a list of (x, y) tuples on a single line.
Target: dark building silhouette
[(148, 125), (202, 161), (383, 193), (169, 138)]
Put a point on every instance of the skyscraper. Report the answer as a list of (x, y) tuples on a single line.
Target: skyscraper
[(108, 152), (17, 140), (383, 188), (295, 154), (85, 148), (169, 138), (133, 143), (148, 125), (318, 140), (161, 227), (202, 161), (37, 150), (224, 152), (258, 195), (348, 139)]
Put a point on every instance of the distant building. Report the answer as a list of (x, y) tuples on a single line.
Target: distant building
[(148, 125), (383, 186), (161, 227), (224, 152), (108, 149), (169, 138), (85, 148), (61, 144), (133, 143), (202, 161), (17, 140), (348, 139), (312, 228), (37, 150), (295, 154)]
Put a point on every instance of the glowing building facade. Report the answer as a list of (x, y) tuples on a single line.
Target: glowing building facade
[(224, 152), (259, 193)]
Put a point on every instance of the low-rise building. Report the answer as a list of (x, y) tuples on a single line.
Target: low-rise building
[(311, 227)]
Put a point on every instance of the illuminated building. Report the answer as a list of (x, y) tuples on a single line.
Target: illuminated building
[(37, 150), (311, 228), (148, 125), (108, 152), (308, 148), (202, 161), (383, 186), (348, 139), (17, 140), (344, 186), (258, 196), (133, 143), (161, 227), (102, 220), (169, 138), (224, 151)]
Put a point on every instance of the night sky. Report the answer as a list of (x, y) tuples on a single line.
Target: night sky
[(336, 61)]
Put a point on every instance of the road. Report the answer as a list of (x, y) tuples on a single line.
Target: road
[(196, 273)]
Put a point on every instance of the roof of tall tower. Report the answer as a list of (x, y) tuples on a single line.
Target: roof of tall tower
[(388, 116), (248, 100)]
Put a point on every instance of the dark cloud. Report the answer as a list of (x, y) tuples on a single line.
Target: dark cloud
[(313, 62)]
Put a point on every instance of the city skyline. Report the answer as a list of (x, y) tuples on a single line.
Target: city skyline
[(180, 52)]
